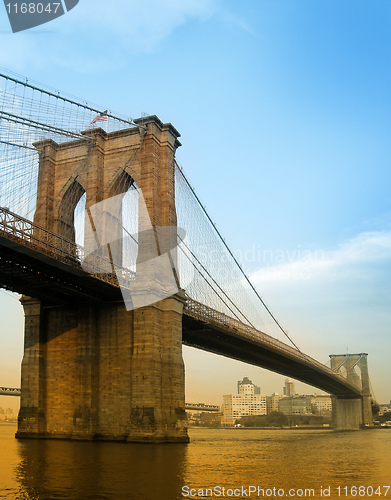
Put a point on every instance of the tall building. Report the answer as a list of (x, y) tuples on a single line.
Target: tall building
[(247, 402), (289, 389), (246, 386)]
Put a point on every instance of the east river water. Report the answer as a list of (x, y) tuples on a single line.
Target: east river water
[(221, 463)]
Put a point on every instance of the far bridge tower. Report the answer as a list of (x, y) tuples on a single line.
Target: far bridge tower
[(352, 413)]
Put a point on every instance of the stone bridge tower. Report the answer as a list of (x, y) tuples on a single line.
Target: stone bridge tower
[(97, 370), (352, 413)]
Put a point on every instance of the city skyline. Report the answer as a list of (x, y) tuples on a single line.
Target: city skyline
[(288, 383)]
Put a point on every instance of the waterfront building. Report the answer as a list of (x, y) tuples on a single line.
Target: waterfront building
[(295, 405), (203, 414), (316, 404), (272, 402), (321, 405), (7, 415), (247, 402)]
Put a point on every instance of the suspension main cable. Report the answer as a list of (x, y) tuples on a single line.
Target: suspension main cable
[(70, 101)]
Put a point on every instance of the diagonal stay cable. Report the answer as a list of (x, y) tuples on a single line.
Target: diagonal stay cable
[(215, 282), (215, 291)]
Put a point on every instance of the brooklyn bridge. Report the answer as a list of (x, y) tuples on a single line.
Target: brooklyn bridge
[(119, 264)]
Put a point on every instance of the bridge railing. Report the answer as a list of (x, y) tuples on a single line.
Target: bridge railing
[(40, 239)]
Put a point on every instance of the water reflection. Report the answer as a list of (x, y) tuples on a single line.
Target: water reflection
[(298, 459), (84, 470)]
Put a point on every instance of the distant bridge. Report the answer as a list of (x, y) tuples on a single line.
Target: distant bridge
[(9, 391), (202, 407)]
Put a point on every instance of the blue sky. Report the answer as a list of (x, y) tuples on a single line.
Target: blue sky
[(284, 111)]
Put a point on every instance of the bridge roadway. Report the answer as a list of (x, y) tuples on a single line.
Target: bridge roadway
[(41, 264)]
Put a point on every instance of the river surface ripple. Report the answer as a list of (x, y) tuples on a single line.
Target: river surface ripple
[(217, 463)]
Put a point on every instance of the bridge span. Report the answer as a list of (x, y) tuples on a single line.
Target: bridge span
[(85, 352), (44, 265)]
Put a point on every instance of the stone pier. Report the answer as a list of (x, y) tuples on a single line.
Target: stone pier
[(352, 413), (100, 371)]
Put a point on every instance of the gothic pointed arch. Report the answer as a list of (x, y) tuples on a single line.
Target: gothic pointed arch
[(124, 250), (121, 183), (66, 210)]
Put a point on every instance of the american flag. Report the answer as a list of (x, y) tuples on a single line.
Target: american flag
[(100, 117)]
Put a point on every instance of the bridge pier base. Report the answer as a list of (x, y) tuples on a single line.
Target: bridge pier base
[(100, 372), (347, 414), (367, 415), (352, 414)]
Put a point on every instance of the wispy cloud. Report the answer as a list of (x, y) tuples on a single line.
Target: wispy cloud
[(237, 22), (140, 26), (117, 28), (366, 250)]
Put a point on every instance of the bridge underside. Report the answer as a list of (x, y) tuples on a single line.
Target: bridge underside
[(30, 272), (226, 343), (351, 410)]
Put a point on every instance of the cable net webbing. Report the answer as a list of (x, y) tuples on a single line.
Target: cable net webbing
[(30, 113), (218, 280)]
